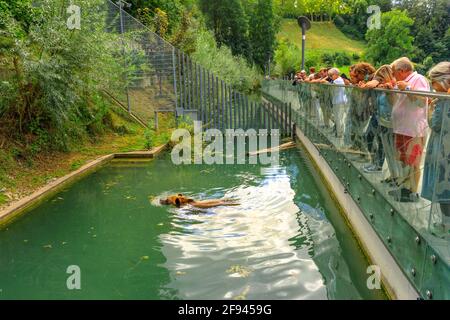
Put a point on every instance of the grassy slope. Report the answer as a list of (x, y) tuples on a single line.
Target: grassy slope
[(322, 37)]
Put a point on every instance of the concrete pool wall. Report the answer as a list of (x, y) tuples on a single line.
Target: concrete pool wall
[(393, 279)]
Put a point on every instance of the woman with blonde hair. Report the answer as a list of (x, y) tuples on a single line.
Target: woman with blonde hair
[(384, 102), (361, 105), (436, 177)]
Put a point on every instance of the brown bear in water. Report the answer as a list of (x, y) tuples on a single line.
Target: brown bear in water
[(180, 200)]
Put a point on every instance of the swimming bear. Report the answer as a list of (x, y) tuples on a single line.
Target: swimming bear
[(180, 200)]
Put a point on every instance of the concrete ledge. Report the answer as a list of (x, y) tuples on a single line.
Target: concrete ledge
[(15, 209), (395, 282), (140, 154)]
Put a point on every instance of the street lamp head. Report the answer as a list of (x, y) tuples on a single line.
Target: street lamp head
[(123, 3), (304, 23)]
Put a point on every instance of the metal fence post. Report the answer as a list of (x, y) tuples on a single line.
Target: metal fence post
[(197, 77), (236, 110), (197, 87), (191, 92), (274, 116), (121, 4), (217, 126), (286, 124), (238, 113), (179, 79), (291, 125), (242, 111), (174, 78), (213, 100), (246, 113), (222, 127), (208, 94), (241, 124), (205, 97), (194, 86), (264, 115), (201, 94), (252, 117), (185, 82), (226, 106)]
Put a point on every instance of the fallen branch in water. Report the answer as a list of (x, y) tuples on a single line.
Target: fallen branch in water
[(352, 151), (284, 146)]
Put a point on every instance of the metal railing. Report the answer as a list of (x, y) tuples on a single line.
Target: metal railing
[(162, 78)]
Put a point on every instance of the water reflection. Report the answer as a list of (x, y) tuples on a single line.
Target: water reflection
[(267, 248)]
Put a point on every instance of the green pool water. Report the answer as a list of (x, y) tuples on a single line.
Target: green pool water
[(285, 241)]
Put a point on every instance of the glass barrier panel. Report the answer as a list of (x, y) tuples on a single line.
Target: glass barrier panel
[(391, 150)]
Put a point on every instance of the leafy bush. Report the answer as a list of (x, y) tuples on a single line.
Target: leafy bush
[(288, 59), (342, 59), (185, 36), (149, 136), (309, 63), (234, 70), (327, 59), (336, 59), (57, 74), (312, 60), (187, 123), (286, 56)]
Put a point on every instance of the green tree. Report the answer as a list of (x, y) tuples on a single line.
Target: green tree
[(352, 20), (20, 10), (431, 21), (172, 8), (287, 58), (51, 77), (185, 35), (233, 70), (262, 32), (161, 22), (227, 20), (392, 40), (316, 10)]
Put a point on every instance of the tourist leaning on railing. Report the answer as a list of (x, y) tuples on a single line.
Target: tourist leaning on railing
[(372, 134), (339, 101), (312, 74), (323, 76), (409, 118), (361, 107), (346, 79), (384, 103), (363, 72), (300, 77), (436, 176)]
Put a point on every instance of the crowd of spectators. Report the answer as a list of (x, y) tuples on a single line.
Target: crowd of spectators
[(395, 127)]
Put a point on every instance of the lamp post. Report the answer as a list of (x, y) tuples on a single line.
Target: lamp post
[(305, 25)]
